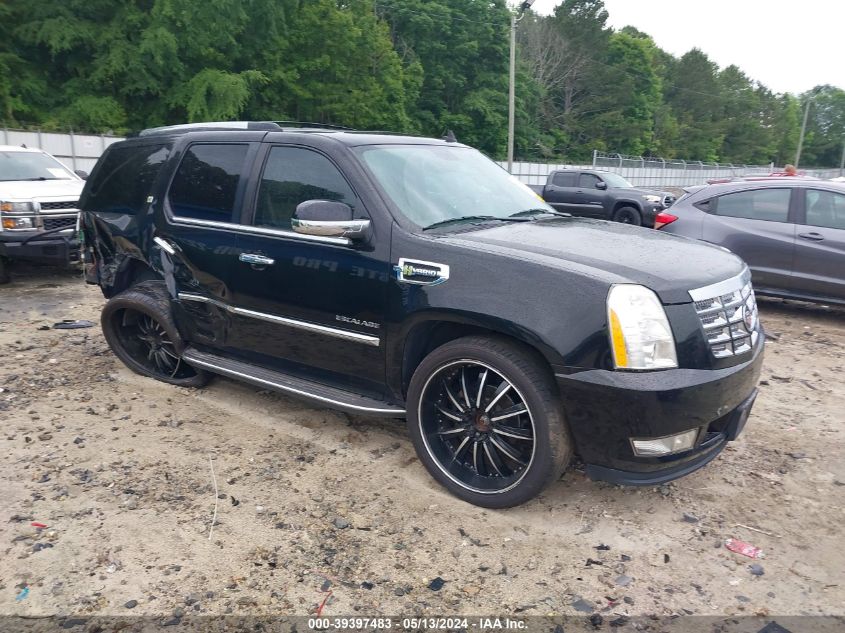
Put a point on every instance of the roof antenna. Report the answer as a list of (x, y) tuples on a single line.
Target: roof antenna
[(450, 137), (24, 146)]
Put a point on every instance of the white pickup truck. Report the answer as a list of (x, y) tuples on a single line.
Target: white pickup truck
[(38, 208)]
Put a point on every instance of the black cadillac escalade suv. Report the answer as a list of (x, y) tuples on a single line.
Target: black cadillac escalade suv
[(410, 277)]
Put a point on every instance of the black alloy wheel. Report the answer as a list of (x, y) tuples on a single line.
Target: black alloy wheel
[(477, 426), (487, 420), (146, 340), (628, 215), (139, 327)]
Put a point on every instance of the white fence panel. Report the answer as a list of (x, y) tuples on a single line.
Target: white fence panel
[(76, 151)]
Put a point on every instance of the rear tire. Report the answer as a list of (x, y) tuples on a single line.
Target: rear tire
[(628, 215), (138, 326), (486, 419)]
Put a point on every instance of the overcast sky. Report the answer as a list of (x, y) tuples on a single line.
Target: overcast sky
[(790, 46)]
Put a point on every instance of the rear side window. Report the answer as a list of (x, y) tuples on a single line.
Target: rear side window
[(564, 179), (123, 179), (771, 205), (206, 183), (293, 175), (588, 181), (825, 209)]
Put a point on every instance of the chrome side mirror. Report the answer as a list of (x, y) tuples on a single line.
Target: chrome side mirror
[(328, 218)]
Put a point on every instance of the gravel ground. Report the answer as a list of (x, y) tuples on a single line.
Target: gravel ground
[(318, 508)]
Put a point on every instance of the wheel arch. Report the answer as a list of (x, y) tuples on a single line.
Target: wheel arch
[(627, 203), (126, 272), (430, 331)]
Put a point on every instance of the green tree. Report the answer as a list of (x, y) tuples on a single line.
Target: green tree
[(461, 48), (693, 93), (825, 127)]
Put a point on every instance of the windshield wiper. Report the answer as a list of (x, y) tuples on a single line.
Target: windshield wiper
[(467, 218), (38, 178), (539, 211)]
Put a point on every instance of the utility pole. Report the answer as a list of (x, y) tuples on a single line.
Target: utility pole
[(842, 160), (515, 17), (803, 128), (512, 95)]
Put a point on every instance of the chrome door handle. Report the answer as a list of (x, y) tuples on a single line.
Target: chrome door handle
[(256, 260), (815, 237)]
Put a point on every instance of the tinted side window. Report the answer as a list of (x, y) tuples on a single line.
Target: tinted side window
[(760, 204), (293, 175), (588, 181), (123, 179), (564, 179), (826, 209), (206, 182)]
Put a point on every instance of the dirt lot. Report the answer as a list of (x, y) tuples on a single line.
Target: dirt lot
[(317, 507)]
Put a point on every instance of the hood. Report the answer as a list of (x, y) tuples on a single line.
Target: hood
[(638, 191), (610, 252), (41, 189)]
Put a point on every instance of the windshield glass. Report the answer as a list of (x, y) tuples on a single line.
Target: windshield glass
[(435, 183), (616, 181), (31, 166)]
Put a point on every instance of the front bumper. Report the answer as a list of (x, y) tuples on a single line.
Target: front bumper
[(40, 246), (605, 409)]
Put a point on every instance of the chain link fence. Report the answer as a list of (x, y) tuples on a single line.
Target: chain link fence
[(81, 151), (655, 173)]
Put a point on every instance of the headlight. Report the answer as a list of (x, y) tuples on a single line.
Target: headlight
[(18, 207), (654, 199), (11, 212), (18, 223), (640, 336)]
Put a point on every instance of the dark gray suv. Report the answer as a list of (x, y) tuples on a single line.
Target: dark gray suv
[(790, 232)]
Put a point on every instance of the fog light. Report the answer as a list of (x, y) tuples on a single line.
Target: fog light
[(665, 445)]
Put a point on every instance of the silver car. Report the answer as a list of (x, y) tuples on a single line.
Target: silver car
[(790, 231)]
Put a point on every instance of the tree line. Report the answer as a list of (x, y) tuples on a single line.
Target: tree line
[(415, 66)]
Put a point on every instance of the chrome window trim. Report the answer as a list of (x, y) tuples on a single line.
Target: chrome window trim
[(236, 374), (722, 287), (307, 326), (258, 230)]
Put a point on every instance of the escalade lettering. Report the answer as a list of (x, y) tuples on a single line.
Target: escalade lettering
[(354, 321)]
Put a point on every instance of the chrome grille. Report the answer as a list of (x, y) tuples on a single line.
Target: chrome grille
[(59, 204), (728, 313)]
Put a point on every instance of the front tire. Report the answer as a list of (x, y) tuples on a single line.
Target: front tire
[(628, 215), (138, 326), (486, 420), (4, 271)]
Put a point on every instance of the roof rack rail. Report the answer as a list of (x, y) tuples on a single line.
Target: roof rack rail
[(310, 124), (212, 125)]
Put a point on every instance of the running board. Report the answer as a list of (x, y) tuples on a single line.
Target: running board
[(287, 384)]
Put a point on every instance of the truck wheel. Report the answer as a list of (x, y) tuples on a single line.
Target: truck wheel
[(628, 215), (4, 272), (487, 422), (138, 326)]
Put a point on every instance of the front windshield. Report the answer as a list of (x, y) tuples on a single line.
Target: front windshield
[(616, 181), (432, 184), (31, 166)]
